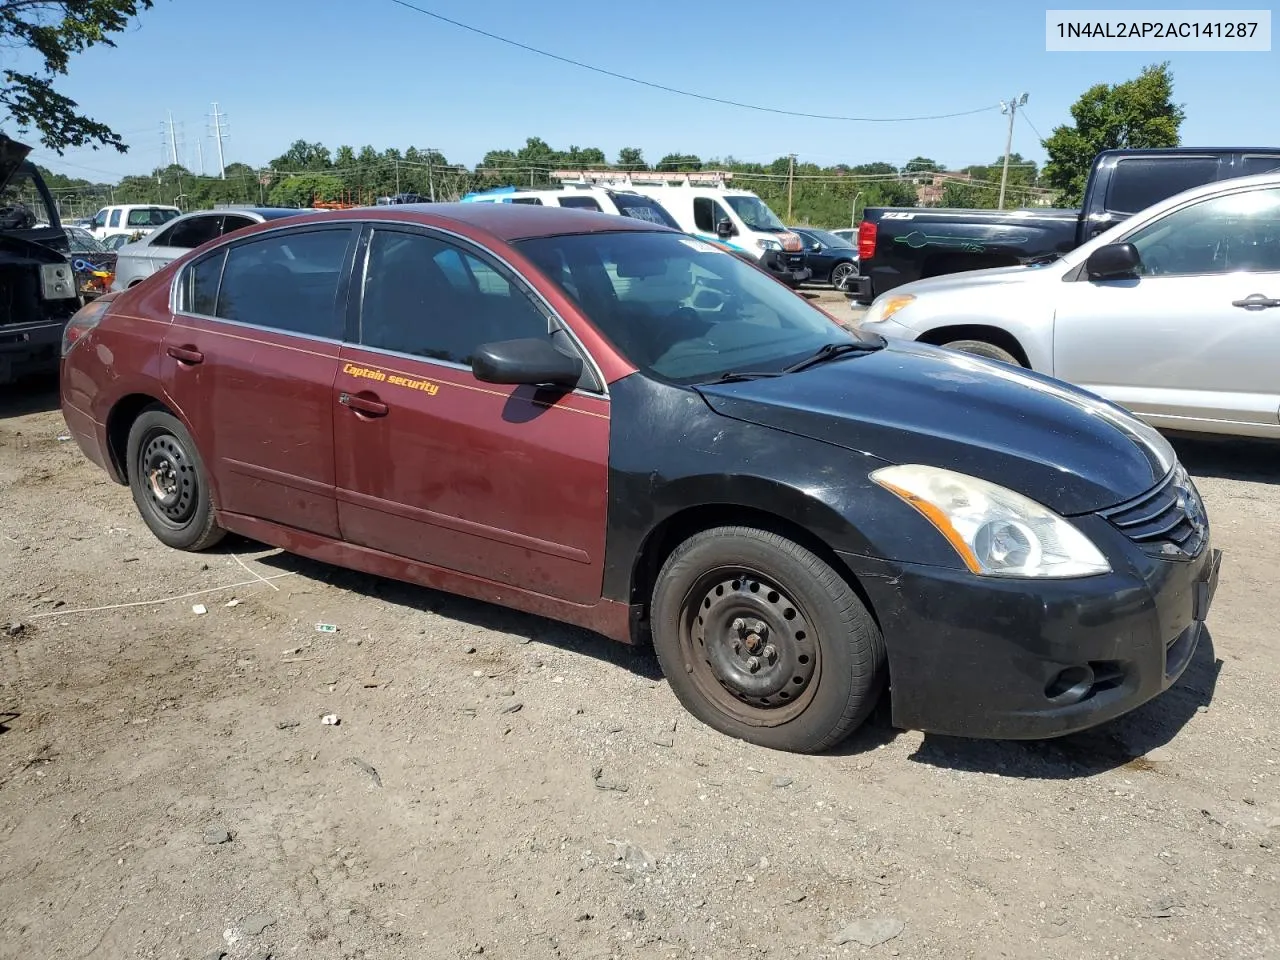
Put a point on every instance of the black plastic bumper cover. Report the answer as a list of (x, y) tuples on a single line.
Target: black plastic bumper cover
[(978, 657)]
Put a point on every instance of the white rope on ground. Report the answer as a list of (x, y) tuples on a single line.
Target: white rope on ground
[(254, 573), (181, 596)]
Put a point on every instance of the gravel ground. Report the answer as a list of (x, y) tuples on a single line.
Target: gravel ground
[(497, 784)]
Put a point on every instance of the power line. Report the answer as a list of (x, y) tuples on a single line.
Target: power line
[(667, 89), (1032, 126)]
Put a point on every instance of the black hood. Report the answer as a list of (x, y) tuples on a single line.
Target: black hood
[(20, 248), (12, 153), (911, 403)]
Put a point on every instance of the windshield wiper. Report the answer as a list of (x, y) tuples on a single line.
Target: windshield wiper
[(830, 351), (737, 376)]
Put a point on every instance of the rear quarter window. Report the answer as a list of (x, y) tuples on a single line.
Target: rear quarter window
[(1138, 182)]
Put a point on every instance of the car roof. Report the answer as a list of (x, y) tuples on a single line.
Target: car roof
[(505, 221)]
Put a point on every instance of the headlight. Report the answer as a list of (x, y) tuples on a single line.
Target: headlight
[(764, 244), (998, 533), (886, 308)]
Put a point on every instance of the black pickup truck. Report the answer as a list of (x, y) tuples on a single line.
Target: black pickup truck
[(39, 291), (899, 244)]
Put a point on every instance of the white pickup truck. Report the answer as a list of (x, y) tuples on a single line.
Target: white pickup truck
[(137, 218)]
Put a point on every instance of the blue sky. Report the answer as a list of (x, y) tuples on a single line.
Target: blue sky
[(377, 73)]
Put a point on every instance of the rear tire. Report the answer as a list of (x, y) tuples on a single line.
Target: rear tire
[(762, 640), (840, 272), (169, 483), (980, 348)]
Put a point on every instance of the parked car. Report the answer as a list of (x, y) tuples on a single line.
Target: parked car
[(736, 218), (480, 398), (92, 260), (139, 218), (900, 244), (38, 292), (141, 258), (830, 258), (623, 203), (848, 234), (1174, 314), (118, 240), (401, 198)]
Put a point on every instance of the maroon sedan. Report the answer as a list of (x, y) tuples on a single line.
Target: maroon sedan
[(620, 426)]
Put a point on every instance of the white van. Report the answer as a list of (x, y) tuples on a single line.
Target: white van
[(738, 219), (131, 218), (623, 203)]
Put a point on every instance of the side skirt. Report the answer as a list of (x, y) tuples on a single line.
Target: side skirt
[(607, 617)]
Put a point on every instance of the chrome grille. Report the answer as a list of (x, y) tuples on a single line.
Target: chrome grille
[(1168, 521)]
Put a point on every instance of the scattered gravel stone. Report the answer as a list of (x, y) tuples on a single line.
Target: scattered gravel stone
[(15, 628), (1159, 755), (215, 954), (664, 741), (286, 724), (512, 707), (794, 896), (636, 913), (783, 781), (508, 692), (216, 835), (1273, 823), (614, 728), (871, 932), (468, 649), (638, 859), (604, 783)]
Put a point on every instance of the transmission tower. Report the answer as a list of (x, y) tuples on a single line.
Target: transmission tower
[(219, 120)]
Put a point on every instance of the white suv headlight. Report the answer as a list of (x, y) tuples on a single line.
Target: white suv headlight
[(998, 533)]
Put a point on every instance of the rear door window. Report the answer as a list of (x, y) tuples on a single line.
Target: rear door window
[(287, 282), (1138, 182), (115, 217), (1256, 163), (191, 233), (230, 223)]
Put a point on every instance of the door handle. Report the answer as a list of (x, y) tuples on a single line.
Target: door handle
[(185, 354), (369, 406), (1256, 301)]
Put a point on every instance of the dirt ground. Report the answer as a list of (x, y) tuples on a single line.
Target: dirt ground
[(501, 785)]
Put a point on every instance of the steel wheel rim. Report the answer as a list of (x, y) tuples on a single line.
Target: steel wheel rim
[(760, 677), (169, 479)]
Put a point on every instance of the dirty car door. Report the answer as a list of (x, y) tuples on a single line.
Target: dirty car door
[(502, 482), (251, 357)]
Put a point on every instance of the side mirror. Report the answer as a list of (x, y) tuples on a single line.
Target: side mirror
[(816, 246), (1115, 261), (531, 361), (724, 228)]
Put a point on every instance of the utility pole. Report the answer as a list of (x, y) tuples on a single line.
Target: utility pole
[(200, 156), (853, 210), (1011, 108), (791, 181), (220, 134), (431, 183), (397, 176), (173, 140)]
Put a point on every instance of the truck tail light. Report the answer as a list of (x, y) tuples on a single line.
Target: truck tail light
[(866, 240), (85, 319)]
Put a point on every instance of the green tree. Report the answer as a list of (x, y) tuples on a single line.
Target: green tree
[(632, 158), (921, 165), (54, 30), (1136, 113), (304, 156), (304, 189), (681, 162)]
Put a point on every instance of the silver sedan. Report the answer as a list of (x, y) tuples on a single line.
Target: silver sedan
[(1174, 314), (142, 258)]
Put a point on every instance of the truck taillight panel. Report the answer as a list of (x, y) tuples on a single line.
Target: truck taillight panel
[(866, 240)]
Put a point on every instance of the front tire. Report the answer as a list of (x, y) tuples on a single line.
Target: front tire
[(169, 483), (762, 640), (980, 348)]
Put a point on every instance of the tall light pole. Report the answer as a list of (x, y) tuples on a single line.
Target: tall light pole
[(791, 182), (853, 210), (1011, 108)]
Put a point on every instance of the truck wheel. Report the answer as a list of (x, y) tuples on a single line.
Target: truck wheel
[(840, 273), (980, 348), (169, 483), (763, 640)]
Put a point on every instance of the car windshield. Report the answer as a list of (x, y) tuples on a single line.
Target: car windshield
[(82, 241), (21, 205), (679, 308), (755, 214)]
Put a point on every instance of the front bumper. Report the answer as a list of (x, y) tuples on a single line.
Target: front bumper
[(787, 267), (1027, 659), (29, 348)]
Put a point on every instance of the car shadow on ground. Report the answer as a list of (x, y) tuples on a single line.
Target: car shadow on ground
[(1123, 742), (524, 627), (29, 395), (1257, 461)]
